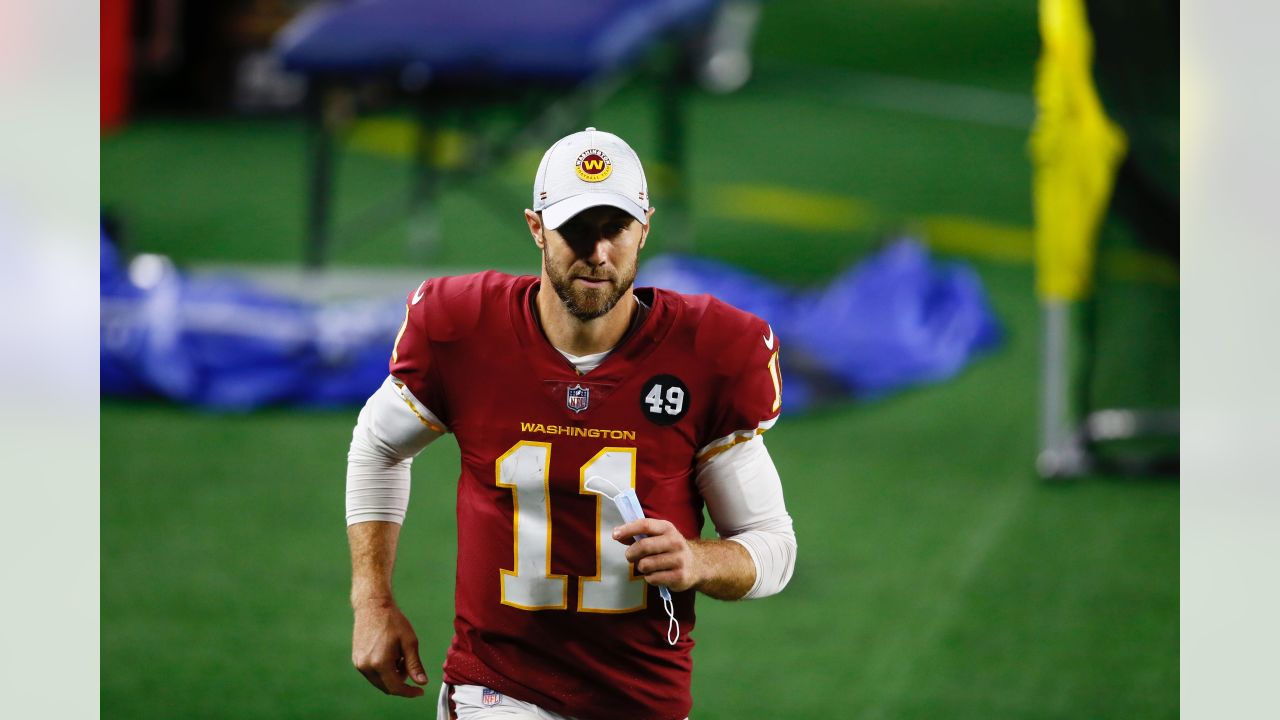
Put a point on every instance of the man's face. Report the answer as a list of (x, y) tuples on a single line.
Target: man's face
[(590, 259)]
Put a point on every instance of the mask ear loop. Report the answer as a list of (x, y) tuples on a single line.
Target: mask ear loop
[(673, 625)]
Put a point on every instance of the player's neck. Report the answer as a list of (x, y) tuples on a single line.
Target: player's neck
[(583, 337)]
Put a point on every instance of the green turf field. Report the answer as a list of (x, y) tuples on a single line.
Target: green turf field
[(937, 578)]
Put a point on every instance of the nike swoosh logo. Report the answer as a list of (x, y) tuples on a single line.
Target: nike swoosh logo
[(417, 295), (768, 342)]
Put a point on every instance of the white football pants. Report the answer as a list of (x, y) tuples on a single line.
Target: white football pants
[(469, 704)]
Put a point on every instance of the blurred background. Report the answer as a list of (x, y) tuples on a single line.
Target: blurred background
[(979, 441)]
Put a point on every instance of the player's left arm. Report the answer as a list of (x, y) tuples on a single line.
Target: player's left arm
[(719, 568), (756, 554), (743, 494)]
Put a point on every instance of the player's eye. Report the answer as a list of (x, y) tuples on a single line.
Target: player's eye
[(575, 235)]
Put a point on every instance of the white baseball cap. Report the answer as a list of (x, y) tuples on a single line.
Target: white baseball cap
[(585, 170)]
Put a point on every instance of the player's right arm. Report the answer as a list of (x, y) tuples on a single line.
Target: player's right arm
[(384, 647), (397, 422), (393, 427)]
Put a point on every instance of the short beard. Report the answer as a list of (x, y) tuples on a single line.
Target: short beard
[(588, 303)]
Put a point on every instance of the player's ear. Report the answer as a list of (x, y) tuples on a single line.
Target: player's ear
[(648, 223), (534, 221)]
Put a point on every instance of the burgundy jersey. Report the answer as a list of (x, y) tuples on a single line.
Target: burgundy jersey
[(549, 611)]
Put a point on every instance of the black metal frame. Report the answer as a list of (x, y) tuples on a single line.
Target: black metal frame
[(671, 78)]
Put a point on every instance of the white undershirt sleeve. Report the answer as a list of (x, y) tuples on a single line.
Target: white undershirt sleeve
[(743, 494), (393, 427)]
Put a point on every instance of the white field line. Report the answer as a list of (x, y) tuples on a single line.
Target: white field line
[(346, 282), (949, 101)]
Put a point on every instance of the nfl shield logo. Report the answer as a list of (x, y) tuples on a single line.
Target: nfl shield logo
[(578, 398), (489, 698)]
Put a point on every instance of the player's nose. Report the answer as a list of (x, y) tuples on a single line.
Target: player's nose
[(598, 251)]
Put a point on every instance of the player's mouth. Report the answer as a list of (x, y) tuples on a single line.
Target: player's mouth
[(593, 282)]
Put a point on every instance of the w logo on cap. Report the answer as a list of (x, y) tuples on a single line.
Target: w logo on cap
[(593, 165)]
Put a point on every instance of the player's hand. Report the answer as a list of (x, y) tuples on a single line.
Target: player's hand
[(384, 648), (664, 558)]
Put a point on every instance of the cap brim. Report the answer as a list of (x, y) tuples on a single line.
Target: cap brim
[(553, 216)]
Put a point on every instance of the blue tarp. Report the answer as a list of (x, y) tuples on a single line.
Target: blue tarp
[(222, 343), (897, 319)]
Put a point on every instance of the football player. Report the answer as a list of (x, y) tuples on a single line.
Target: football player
[(568, 393)]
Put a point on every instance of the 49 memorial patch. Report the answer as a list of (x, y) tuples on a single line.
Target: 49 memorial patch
[(664, 399)]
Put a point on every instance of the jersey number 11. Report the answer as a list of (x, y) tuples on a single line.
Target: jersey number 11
[(615, 588)]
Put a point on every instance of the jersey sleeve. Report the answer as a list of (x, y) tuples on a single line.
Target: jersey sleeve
[(750, 389), (414, 361), (392, 428), (743, 494)]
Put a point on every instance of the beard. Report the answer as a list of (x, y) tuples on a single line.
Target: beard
[(587, 303)]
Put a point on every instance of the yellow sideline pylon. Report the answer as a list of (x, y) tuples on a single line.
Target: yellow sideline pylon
[(1075, 150)]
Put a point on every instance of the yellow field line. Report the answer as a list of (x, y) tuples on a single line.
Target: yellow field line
[(802, 210), (398, 138), (787, 207), (953, 234)]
